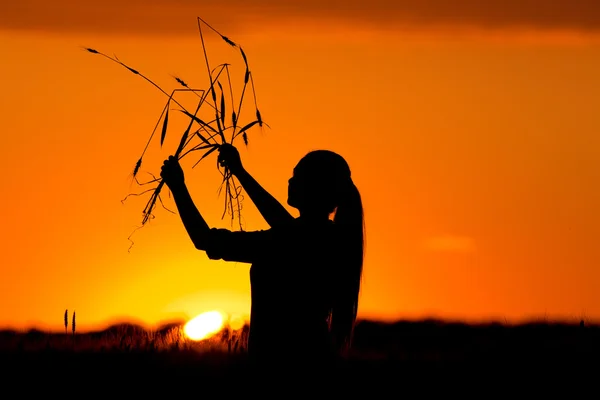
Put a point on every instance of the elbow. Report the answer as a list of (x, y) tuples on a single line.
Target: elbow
[(200, 240), (199, 245)]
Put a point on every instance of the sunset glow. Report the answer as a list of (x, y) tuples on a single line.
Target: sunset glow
[(236, 322), (472, 132)]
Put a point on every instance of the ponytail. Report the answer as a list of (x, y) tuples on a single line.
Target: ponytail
[(349, 220)]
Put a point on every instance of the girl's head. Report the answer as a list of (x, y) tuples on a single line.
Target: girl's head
[(319, 182), (322, 184)]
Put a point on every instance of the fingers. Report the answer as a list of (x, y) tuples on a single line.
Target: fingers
[(171, 171), (170, 160), (226, 148), (222, 158), (168, 164)]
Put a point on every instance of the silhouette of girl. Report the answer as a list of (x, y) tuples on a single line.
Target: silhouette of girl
[(306, 272)]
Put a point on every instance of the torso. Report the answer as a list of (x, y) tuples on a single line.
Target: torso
[(290, 289)]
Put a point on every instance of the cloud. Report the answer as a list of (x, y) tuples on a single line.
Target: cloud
[(164, 17), (450, 243)]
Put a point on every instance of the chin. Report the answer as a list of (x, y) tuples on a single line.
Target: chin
[(291, 202)]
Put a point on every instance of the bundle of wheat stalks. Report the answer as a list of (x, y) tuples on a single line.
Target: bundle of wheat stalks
[(202, 135)]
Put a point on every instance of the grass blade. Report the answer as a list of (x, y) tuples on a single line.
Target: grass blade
[(203, 138), (245, 128), (244, 56), (206, 155), (209, 152), (183, 140), (164, 127), (259, 118), (138, 164), (213, 93), (229, 41), (181, 82), (222, 104), (204, 147), (199, 121), (247, 74)]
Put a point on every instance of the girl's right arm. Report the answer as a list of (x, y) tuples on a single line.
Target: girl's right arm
[(272, 211)]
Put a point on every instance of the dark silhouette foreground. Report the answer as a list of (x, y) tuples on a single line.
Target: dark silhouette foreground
[(408, 358), (306, 271)]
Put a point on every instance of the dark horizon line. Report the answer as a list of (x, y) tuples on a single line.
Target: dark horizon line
[(168, 324)]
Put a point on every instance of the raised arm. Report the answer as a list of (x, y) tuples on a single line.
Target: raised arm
[(272, 211), (194, 223), (219, 244)]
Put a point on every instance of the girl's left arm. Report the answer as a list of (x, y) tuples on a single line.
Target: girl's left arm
[(194, 223), (219, 244)]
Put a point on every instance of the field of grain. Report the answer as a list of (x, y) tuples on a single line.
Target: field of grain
[(417, 355)]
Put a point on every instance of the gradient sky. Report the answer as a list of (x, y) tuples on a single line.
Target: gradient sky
[(471, 131)]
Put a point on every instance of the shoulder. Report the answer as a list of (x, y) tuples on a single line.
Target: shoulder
[(228, 232), (243, 246), (226, 236)]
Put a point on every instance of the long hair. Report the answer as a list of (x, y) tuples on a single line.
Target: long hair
[(349, 217), (332, 188)]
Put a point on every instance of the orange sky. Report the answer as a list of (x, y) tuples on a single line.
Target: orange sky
[(472, 134)]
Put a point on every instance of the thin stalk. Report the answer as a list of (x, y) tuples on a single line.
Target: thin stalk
[(212, 88)]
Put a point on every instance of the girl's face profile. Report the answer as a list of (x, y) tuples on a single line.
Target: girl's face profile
[(294, 190), (298, 186)]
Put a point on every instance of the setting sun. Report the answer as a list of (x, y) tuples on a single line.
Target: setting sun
[(204, 325)]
